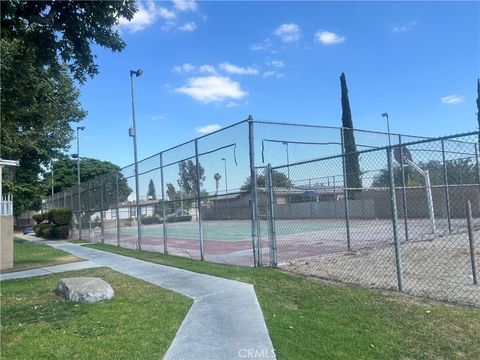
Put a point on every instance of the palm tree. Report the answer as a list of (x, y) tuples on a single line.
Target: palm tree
[(217, 178)]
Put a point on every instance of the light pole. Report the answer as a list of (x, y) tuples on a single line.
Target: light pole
[(226, 185), (133, 133), (385, 115), (288, 160), (78, 183)]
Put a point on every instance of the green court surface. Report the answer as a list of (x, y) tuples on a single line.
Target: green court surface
[(232, 230)]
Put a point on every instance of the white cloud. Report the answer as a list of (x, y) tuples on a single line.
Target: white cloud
[(272, 73), (143, 18), (158, 117), (234, 69), (212, 89), (404, 28), (328, 38), (452, 99), (185, 5), (288, 32), (166, 14), (149, 12), (189, 26), (276, 63), (207, 69), (263, 46), (231, 104), (185, 68), (206, 129)]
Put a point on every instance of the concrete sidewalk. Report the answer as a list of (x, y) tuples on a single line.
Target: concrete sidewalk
[(48, 270), (224, 322)]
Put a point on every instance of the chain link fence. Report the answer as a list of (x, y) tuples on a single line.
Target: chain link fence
[(388, 212)]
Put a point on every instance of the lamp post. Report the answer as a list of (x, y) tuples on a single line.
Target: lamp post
[(226, 185), (133, 133), (78, 183), (385, 115), (288, 159)]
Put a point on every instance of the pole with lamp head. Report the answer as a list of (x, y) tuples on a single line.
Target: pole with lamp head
[(133, 133), (385, 115)]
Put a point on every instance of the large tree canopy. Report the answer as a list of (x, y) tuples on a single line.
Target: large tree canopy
[(44, 44), (38, 105), (56, 32), (95, 175)]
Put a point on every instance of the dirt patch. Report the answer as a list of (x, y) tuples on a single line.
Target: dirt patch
[(439, 269)]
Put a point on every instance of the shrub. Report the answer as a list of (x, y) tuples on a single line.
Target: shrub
[(60, 217), (148, 220), (43, 230), (61, 232), (39, 218), (179, 218)]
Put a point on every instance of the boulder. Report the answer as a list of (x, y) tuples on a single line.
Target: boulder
[(85, 289)]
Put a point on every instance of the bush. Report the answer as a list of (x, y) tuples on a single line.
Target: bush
[(61, 232), (149, 220), (179, 218), (39, 218), (60, 217), (43, 230), (58, 226)]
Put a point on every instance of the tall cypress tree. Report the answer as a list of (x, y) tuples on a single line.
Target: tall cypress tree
[(152, 192), (351, 159)]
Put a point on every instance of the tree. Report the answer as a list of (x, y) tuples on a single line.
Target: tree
[(217, 178), (95, 176), (460, 171), (352, 166), (38, 106), (43, 43), (151, 193), (279, 180), (187, 172), (57, 32)]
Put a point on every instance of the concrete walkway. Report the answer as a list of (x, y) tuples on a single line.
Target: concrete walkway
[(48, 270), (224, 322)]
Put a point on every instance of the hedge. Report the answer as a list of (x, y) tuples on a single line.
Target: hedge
[(39, 218), (60, 217), (148, 220), (58, 226), (179, 218)]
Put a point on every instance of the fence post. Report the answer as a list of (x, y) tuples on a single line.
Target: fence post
[(477, 165), (393, 206), (64, 199), (345, 191), (164, 222), (271, 207), (199, 201), (471, 242), (445, 181), (259, 223), (117, 209), (101, 210), (253, 187), (89, 212), (404, 190)]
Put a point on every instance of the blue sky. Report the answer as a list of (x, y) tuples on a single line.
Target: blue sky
[(209, 64)]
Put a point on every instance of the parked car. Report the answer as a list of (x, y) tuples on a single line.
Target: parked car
[(28, 231)]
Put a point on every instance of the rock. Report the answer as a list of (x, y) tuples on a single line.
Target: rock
[(85, 289)]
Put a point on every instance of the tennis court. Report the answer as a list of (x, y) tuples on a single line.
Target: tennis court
[(230, 241)]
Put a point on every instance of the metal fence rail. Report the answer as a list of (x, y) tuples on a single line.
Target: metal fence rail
[(263, 193)]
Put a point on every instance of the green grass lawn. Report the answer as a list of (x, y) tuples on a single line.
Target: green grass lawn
[(139, 323), (29, 255), (310, 319)]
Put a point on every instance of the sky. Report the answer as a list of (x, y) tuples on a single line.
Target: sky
[(207, 65)]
